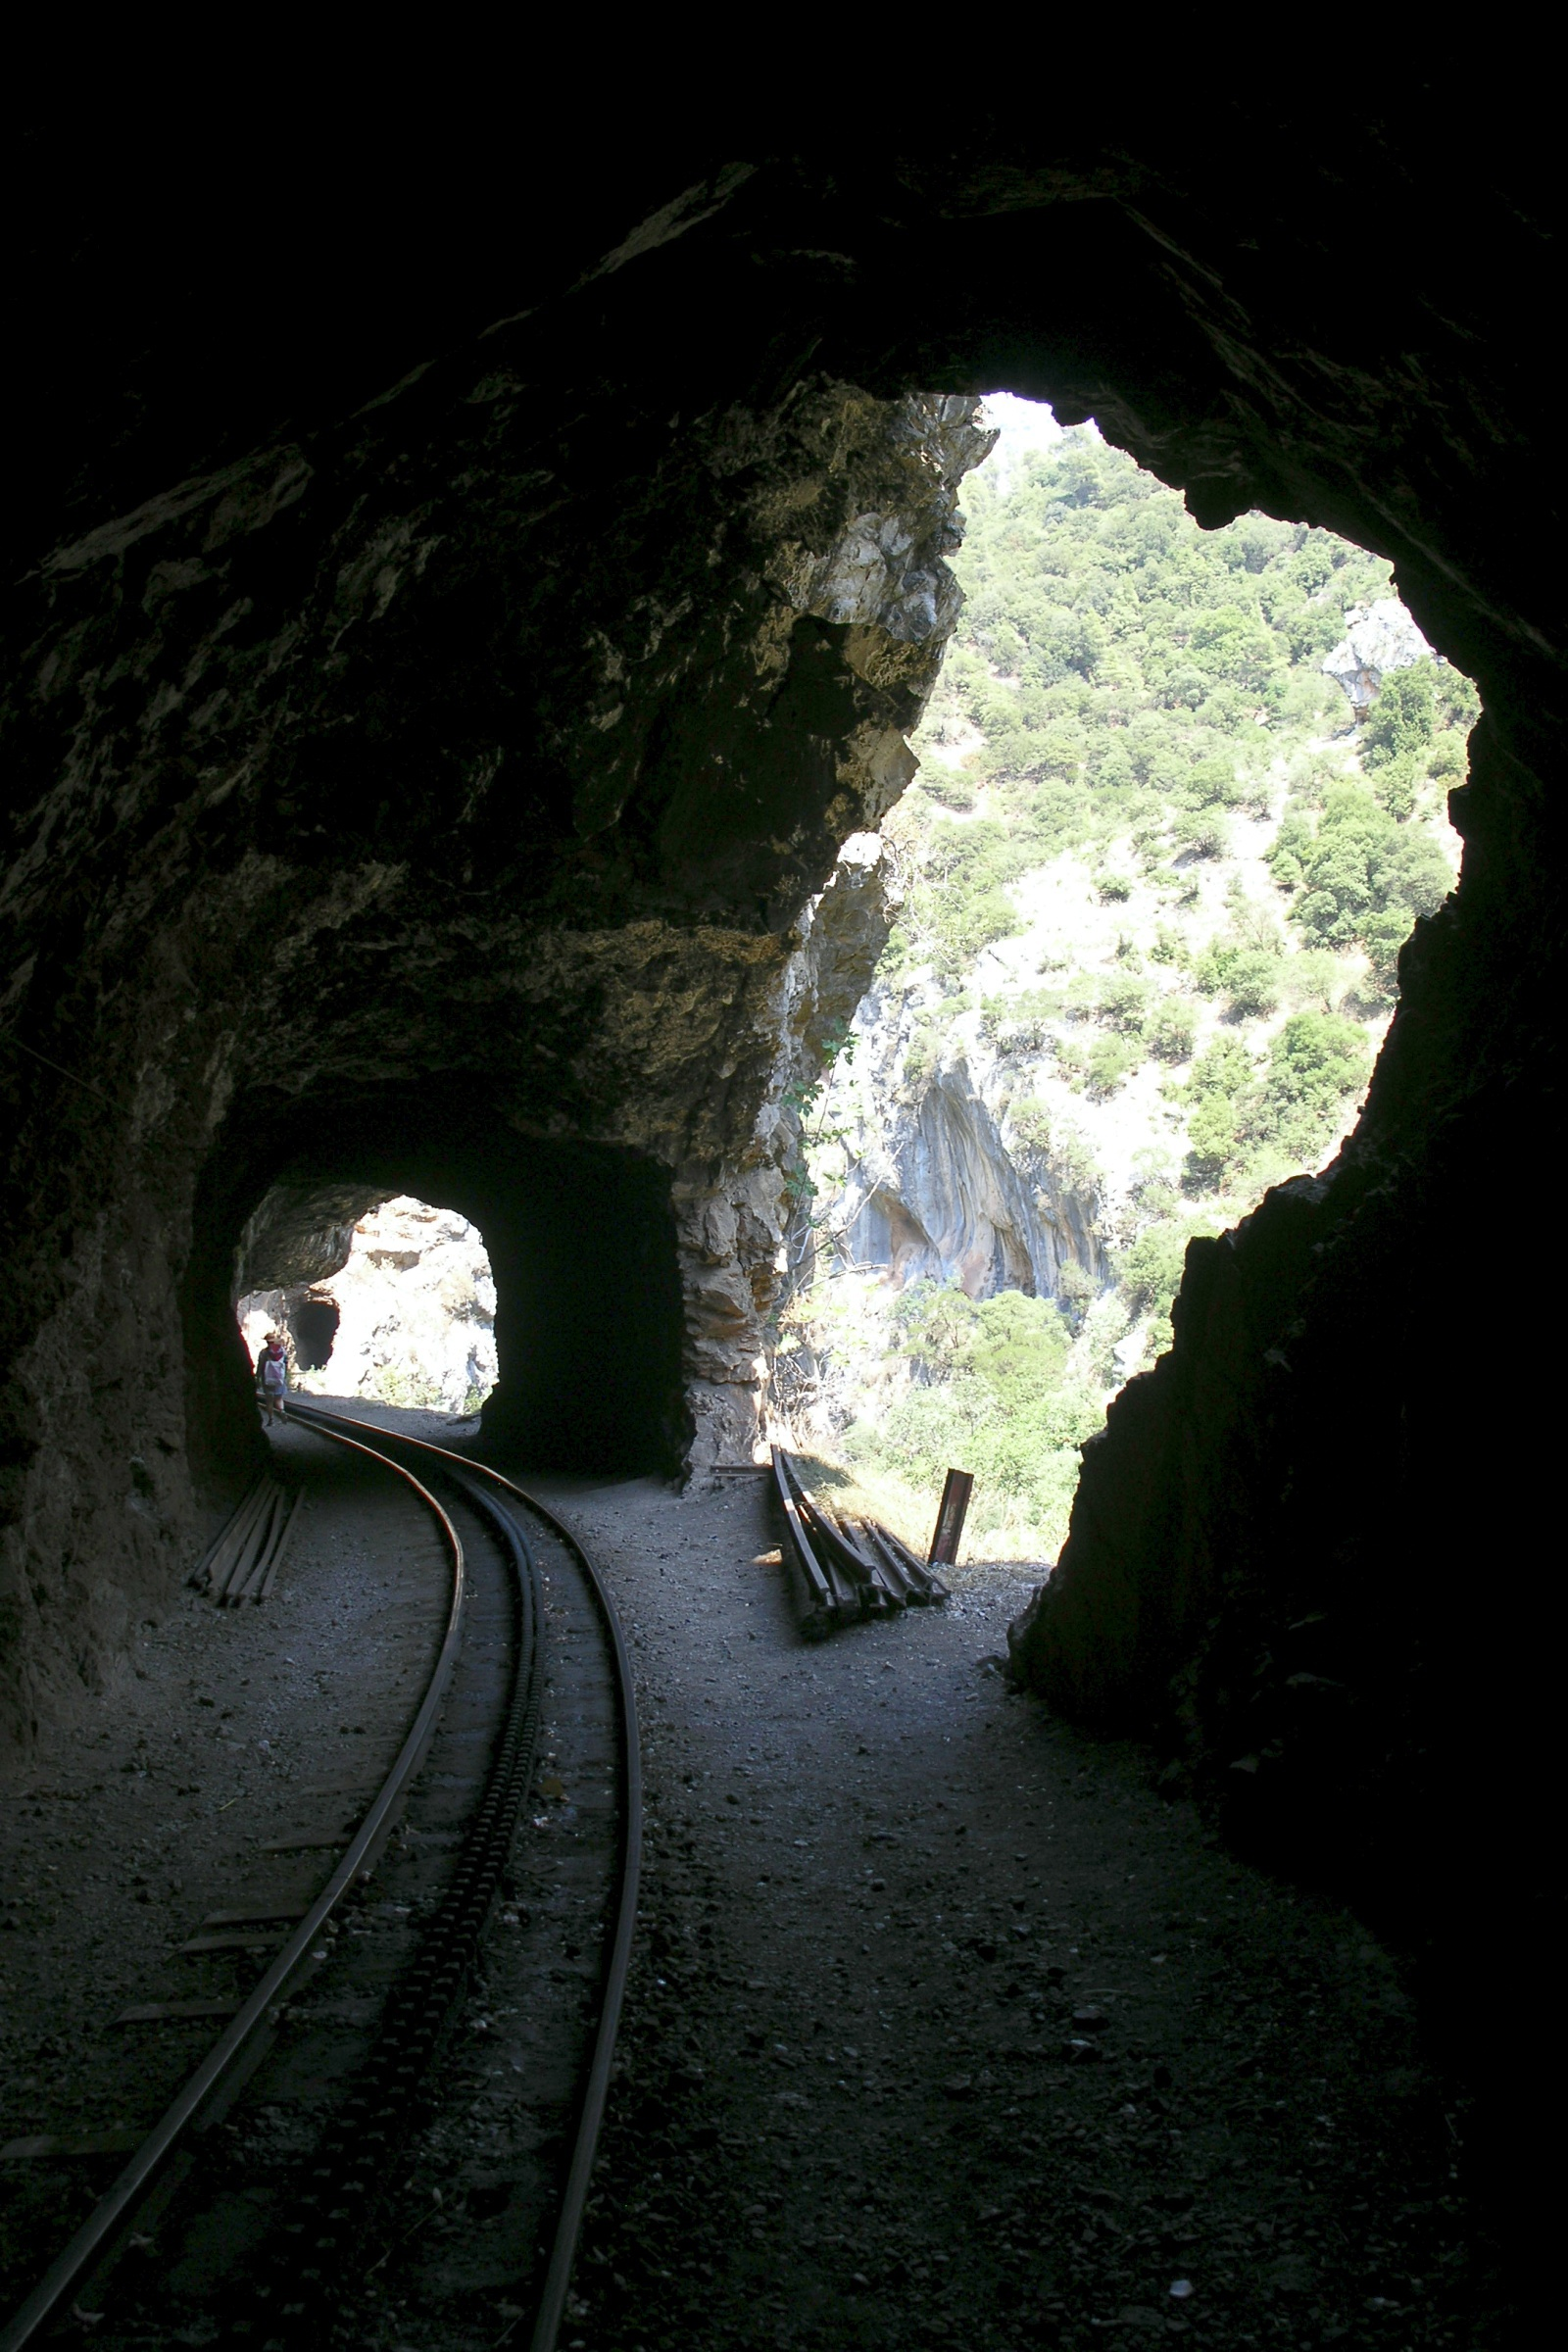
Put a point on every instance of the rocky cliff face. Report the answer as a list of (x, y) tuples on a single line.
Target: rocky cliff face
[(366, 947), (1379, 637), (930, 1182)]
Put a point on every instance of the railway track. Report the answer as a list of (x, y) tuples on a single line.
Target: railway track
[(394, 2133)]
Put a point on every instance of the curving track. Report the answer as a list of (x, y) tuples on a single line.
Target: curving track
[(286, 2192)]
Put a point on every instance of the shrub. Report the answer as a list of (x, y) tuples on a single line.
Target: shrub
[(1396, 784), (1220, 1090), (972, 924), (1018, 1346), (1400, 722), (1122, 998), (1211, 784), (1292, 846), (1315, 979), (1050, 1148), (1151, 1272), (395, 1385), (1253, 984), (1110, 1061), (1029, 1121), (1202, 833), (1383, 934), (1361, 863), (1214, 1141), (929, 1429), (1076, 1291), (1020, 1025), (1170, 1028), (1314, 1062), (1225, 1069)]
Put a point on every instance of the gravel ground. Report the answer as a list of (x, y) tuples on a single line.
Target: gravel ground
[(223, 1729), (945, 2024)]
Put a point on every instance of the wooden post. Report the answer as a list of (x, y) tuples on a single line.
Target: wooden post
[(955, 1493)]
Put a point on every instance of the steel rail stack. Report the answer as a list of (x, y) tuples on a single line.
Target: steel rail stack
[(851, 1568)]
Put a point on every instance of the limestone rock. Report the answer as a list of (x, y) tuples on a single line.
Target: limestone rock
[(409, 1316), (1378, 638)]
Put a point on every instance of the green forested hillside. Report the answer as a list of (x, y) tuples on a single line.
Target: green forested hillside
[(1119, 676), (1154, 881)]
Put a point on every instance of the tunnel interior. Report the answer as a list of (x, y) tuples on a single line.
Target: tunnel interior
[(313, 1327), (485, 684), (580, 1243)]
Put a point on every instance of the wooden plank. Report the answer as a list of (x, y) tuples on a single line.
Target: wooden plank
[(257, 1542), (864, 1585), (281, 1912), (199, 1574), (957, 1488), (215, 1569), (817, 1584), (155, 2013), (238, 1941), (306, 1842), (280, 1546), (928, 1587), (83, 2143)]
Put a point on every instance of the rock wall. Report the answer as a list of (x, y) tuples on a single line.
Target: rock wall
[(934, 1185), (294, 929)]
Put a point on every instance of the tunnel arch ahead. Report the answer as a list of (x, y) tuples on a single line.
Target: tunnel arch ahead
[(580, 1240)]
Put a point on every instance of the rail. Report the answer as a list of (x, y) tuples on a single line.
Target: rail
[(110, 2215), (596, 2087)]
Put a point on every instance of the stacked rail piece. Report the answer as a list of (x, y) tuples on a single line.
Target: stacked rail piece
[(852, 1568), (243, 1558)]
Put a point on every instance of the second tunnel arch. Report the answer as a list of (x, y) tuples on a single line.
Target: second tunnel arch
[(580, 1239)]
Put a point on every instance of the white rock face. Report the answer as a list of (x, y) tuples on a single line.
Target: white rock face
[(416, 1308), (884, 570), (1378, 638)]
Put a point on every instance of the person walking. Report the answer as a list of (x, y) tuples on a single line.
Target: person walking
[(272, 1377)]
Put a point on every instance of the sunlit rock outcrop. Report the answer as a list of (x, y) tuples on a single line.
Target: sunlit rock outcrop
[(1379, 637), (408, 1317), (933, 1185)]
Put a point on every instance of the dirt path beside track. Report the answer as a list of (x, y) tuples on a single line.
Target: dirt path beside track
[(948, 2027)]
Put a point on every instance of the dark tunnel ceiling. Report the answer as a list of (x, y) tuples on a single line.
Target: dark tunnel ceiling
[(192, 333)]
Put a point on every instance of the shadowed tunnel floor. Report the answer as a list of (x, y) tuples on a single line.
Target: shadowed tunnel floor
[(945, 2026), (856, 2105)]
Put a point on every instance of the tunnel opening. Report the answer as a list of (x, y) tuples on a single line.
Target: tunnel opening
[(1182, 801), (541, 1297), (313, 1327), (408, 1320)]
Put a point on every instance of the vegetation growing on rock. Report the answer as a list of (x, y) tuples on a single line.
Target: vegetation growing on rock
[(1154, 880)]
